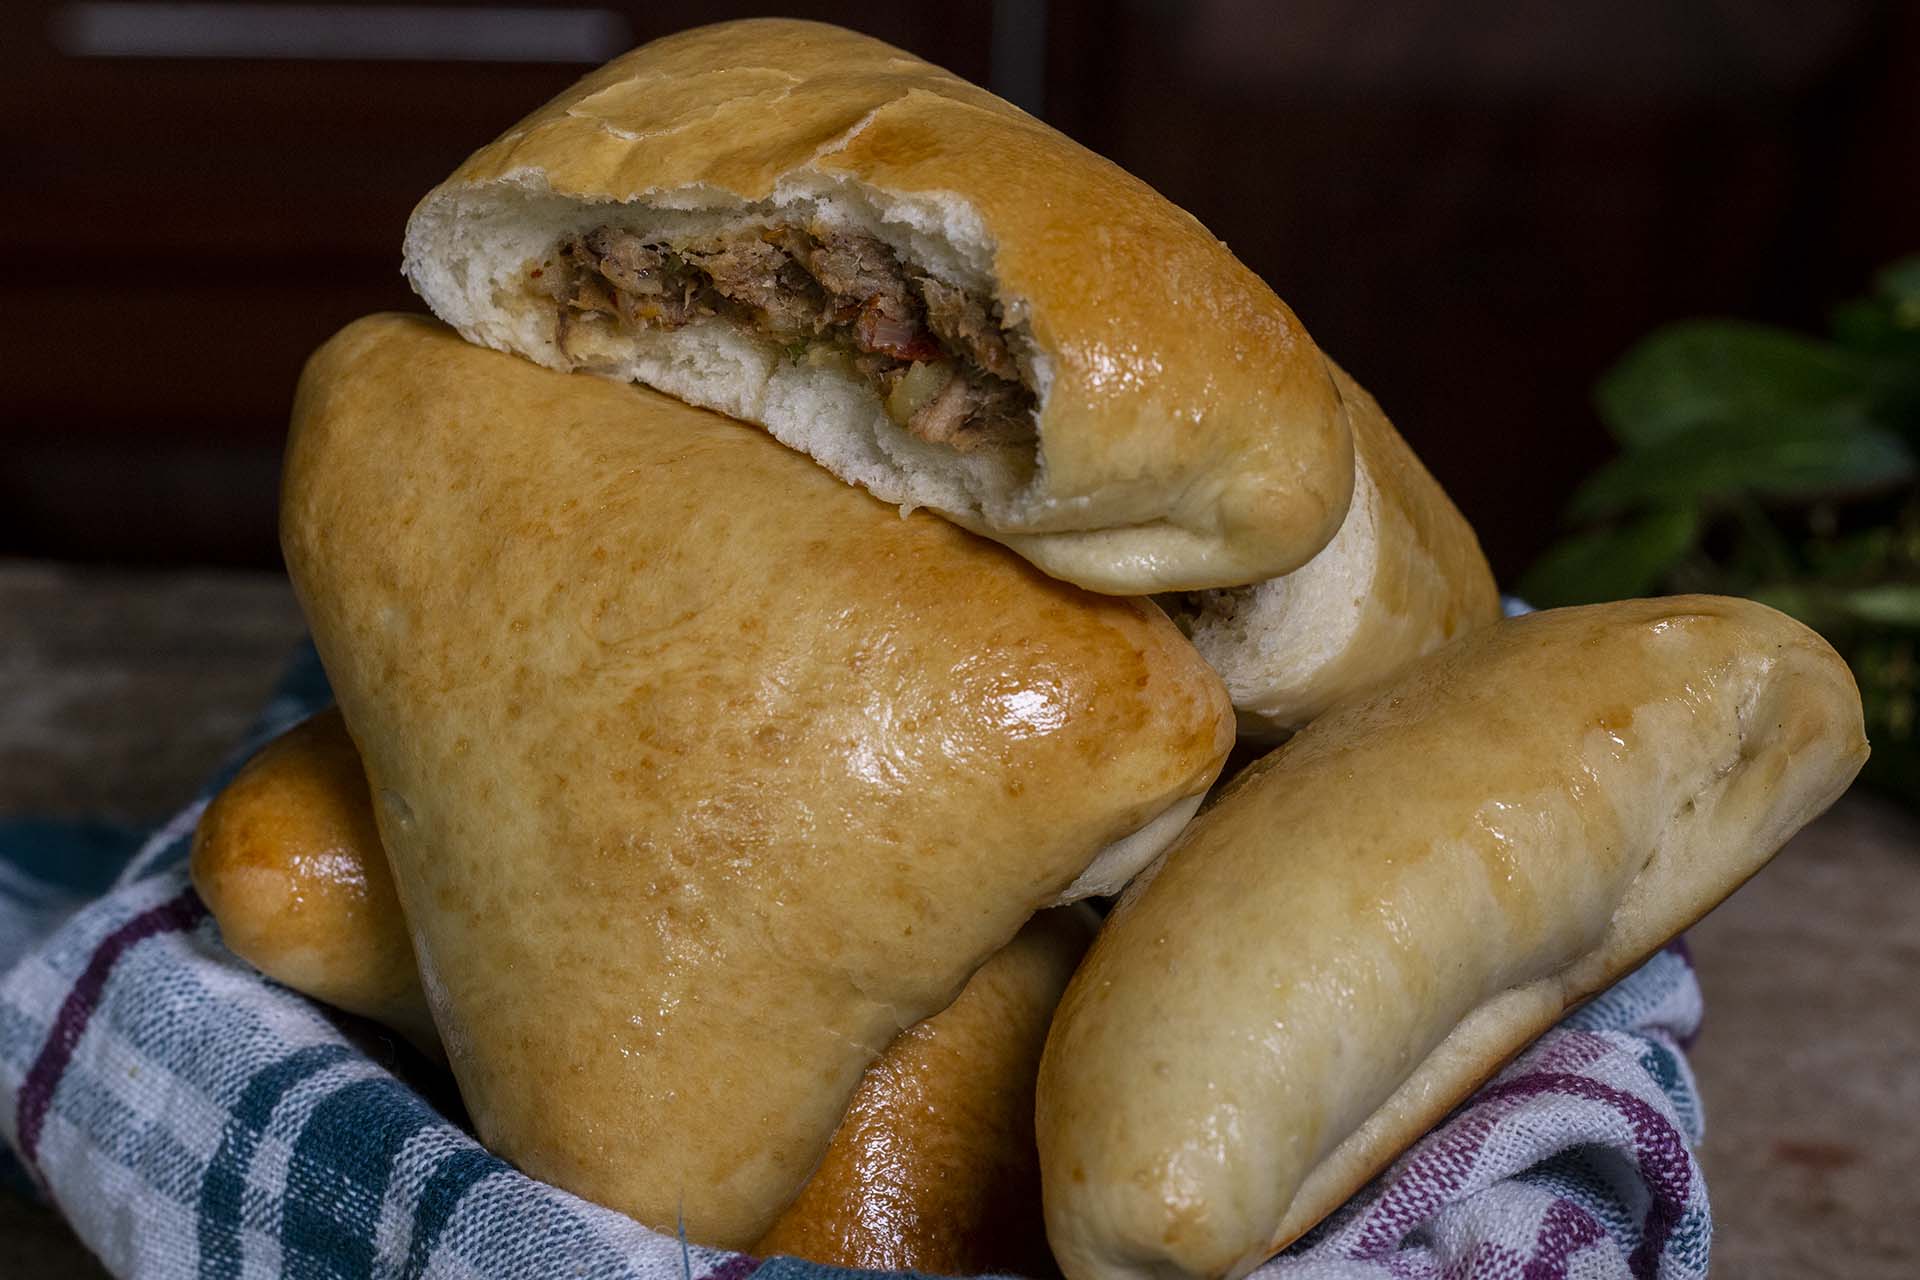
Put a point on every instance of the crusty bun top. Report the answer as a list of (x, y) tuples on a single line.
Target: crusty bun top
[(1189, 436), (700, 773)]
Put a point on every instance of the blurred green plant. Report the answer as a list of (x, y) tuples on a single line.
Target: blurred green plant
[(1760, 462)]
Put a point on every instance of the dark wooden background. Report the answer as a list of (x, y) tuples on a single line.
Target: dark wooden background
[(1476, 205)]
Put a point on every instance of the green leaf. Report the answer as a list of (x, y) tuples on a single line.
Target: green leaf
[(1894, 604), (1852, 557), (1711, 465), (1759, 550), (1899, 284), (1884, 664), (1873, 328), (1889, 608), (1703, 372), (1867, 326), (1810, 604), (1894, 768), (1611, 564)]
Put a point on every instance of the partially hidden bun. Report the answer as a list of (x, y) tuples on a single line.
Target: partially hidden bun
[(701, 774), (1402, 897), (288, 859), (1179, 430), (932, 1169), (1404, 575)]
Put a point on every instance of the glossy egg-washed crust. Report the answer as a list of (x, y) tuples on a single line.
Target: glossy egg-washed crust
[(288, 859), (1369, 921), (701, 774), (1190, 438), (932, 1169)]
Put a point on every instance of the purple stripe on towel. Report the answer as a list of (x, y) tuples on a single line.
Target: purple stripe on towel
[(182, 911), (1659, 1151), (1437, 1173), (738, 1267), (1565, 1230)]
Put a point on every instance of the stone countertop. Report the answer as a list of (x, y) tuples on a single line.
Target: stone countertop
[(119, 692)]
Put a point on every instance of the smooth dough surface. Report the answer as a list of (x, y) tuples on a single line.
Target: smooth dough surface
[(932, 1169), (1372, 919), (701, 774)]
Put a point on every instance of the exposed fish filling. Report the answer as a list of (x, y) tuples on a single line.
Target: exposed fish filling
[(937, 354)]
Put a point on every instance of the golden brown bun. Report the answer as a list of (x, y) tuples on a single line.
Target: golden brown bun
[(288, 860), (701, 774), (1404, 575), (1189, 434), (934, 1168), (1371, 920)]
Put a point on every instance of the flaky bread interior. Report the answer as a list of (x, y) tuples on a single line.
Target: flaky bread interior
[(471, 253), (1373, 918), (1404, 575), (1184, 431)]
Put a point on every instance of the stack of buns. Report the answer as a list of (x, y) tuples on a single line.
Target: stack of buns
[(719, 760)]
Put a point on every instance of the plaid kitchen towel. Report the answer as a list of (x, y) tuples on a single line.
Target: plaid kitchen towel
[(191, 1118)]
